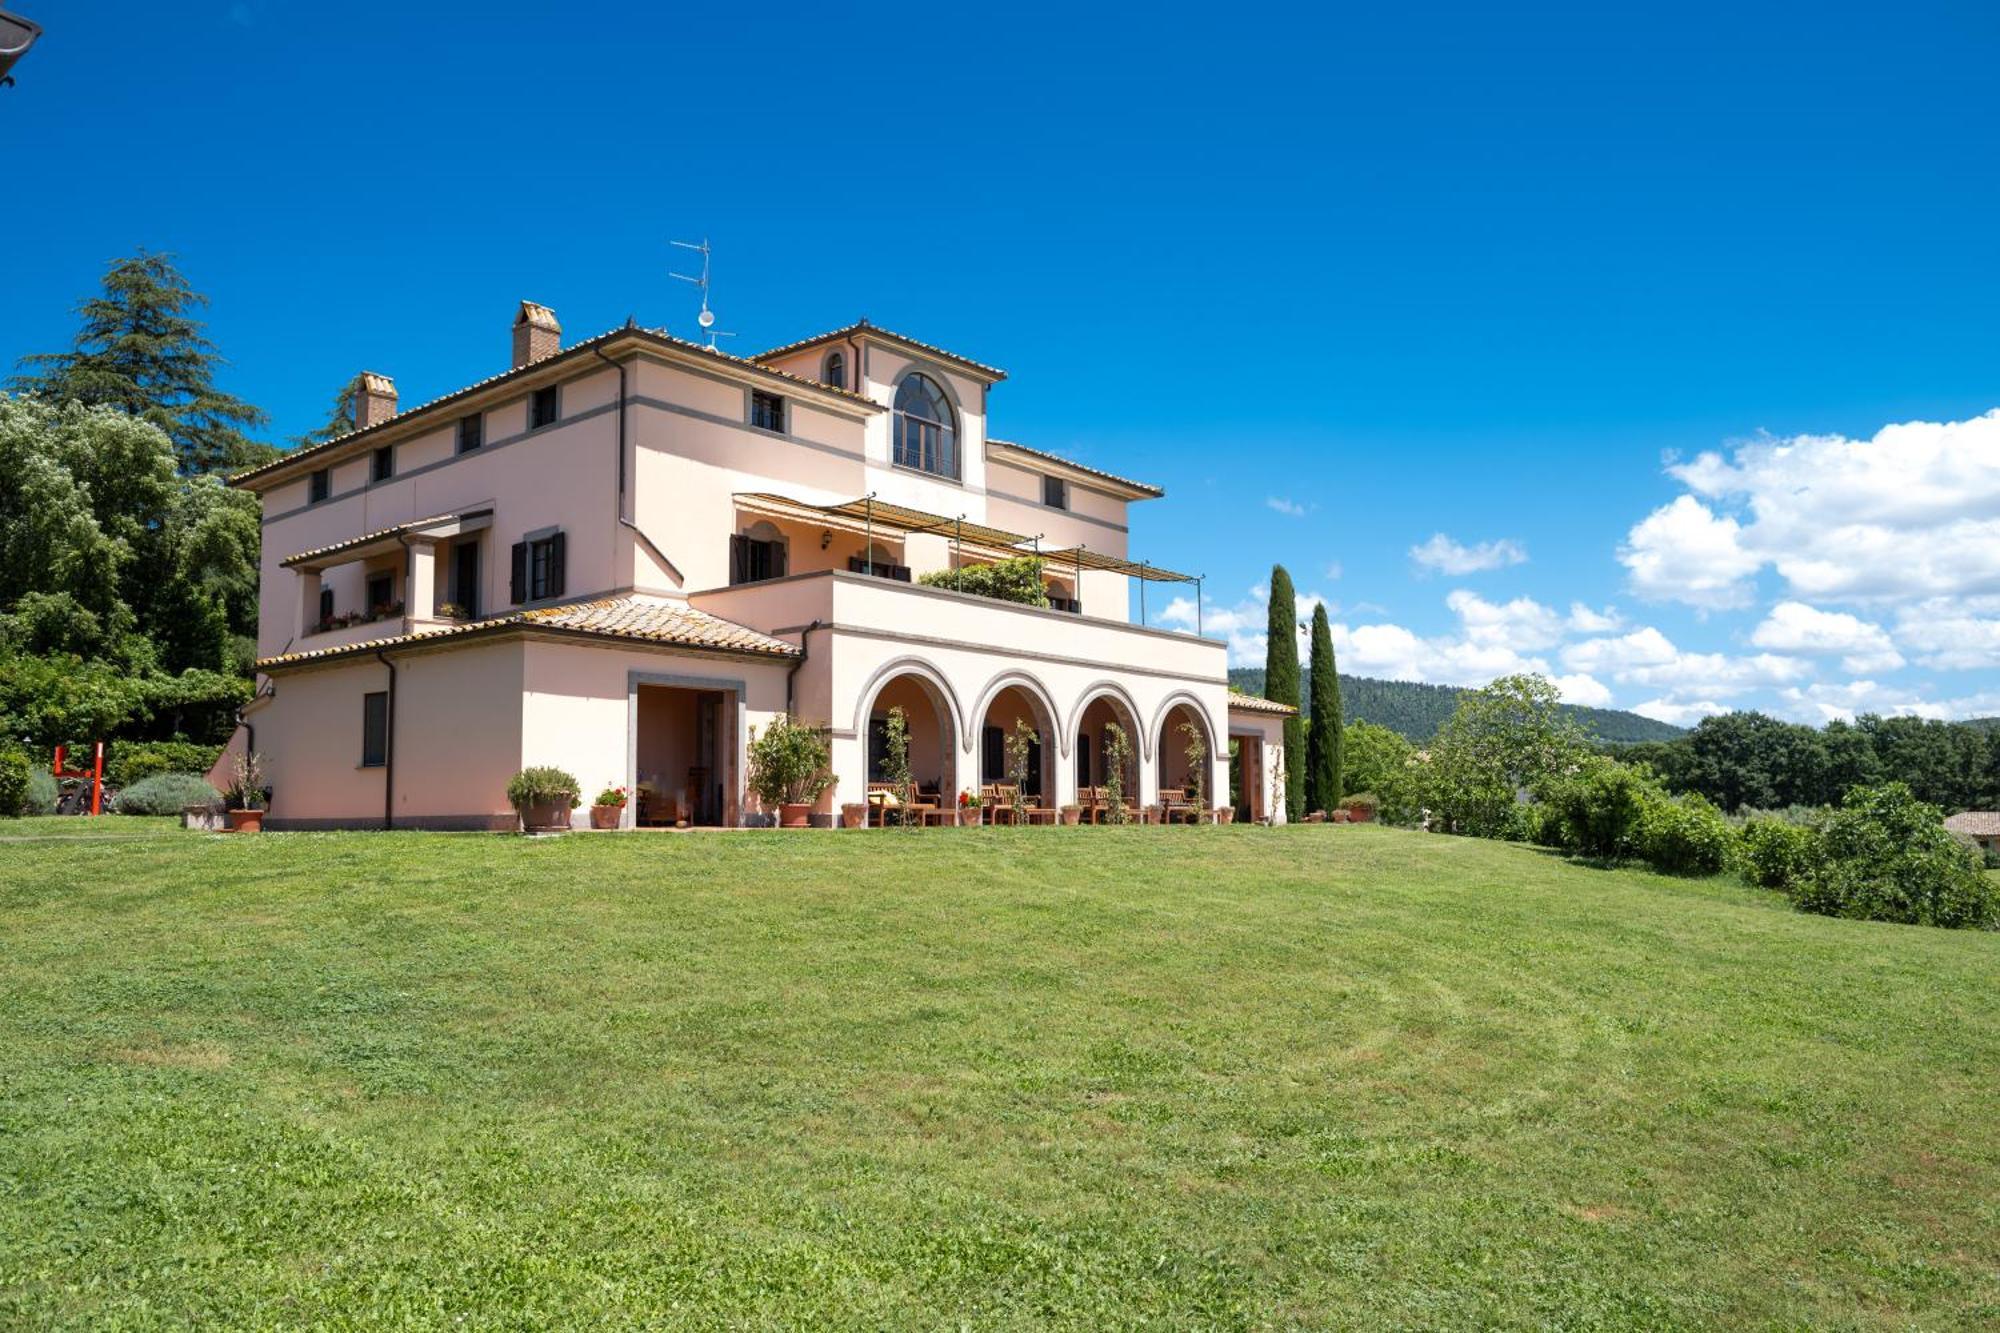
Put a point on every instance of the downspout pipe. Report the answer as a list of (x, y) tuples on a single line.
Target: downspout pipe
[(805, 647), (388, 747)]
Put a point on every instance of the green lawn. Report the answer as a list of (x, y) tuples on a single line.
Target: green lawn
[(1236, 1077)]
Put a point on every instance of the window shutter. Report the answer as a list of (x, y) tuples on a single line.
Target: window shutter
[(778, 554), (518, 587), (556, 565), (739, 558)]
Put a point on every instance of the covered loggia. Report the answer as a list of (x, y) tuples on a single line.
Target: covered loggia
[(1011, 703)]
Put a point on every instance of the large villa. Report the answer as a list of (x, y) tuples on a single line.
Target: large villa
[(622, 557)]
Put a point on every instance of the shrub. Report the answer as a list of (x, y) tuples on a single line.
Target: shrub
[(543, 786), (1776, 853), (42, 793), (1362, 805), (1888, 857), (1018, 580), (611, 796), (129, 761), (166, 794), (14, 771), (1597, 809), (246, 789), (789, 763), (1685, 835)]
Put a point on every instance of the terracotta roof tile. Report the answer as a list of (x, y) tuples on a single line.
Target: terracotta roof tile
[(1251, 703), (631, 619), (659, 337), (1149, 488), (1976, 823), (380, 534), (890, 335)]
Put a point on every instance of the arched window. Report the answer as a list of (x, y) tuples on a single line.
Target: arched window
[(834, 372), (926, 434)]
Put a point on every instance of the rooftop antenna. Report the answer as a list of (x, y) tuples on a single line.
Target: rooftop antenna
[(707, 317)]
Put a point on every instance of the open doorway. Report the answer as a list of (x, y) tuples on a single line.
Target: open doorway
[(684, 767)]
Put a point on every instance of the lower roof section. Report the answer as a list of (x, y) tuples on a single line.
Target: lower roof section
[(629, 619)]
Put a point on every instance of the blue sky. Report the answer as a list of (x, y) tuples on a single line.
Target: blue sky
[(1425, 304)]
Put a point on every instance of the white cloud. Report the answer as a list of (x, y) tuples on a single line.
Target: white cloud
[(1584, 620), (1245, 625), (1794, 627), (1679, 713), (1446, 556), (1642, 647), (1913, 511), (1686, 552), (1333, 571), (1584, 689), (1823, 701), (1951, 633), (1523, 623), (1288, 507)]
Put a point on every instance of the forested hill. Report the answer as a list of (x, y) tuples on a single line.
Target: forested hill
[(1417, 711)]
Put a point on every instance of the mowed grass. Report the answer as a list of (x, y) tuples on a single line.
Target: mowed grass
[(1236, 1077)]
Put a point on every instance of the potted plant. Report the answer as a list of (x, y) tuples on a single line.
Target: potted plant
[(1225, 814), (854, 815), (1072, 814), (608, 808), (789, 768), (968, 808), (543, 797), (244, 802)]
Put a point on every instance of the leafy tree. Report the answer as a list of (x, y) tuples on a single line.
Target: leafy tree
[(1504, 741), (140, 349), (1323, 732), (1281, 684), (1018, 580), (1599, 808), (1372, 757), (1887, 857)]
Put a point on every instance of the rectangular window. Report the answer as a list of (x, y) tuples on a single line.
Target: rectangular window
[(993, 755), (1055, 492), (375, 729), (538, 569), (751, 560), (382, 466), (381, 593), (471, 433), (325, 605), (542, 408), (465, 578), (767, 411), (319, 486)]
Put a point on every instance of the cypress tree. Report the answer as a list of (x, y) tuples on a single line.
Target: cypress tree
[(141, 350), (1281, 684), (1323, 735)]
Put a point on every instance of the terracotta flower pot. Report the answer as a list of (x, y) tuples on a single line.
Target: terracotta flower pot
[(244, 821), (605, 816), (1225, 814), (1071, 814), (795, 816), (854, 815), (545, 816)]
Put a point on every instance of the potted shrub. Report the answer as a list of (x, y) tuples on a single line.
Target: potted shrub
[(244, 802), (608, 808), (543, 797), (968, 808), (1362, 807), (789, 768)]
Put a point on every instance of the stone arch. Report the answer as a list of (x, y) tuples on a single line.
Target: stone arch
[(1194, 705), (1171, 761), (1037, 692), (940, 688), (1112, 690)]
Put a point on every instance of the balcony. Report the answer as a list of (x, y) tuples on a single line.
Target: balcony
[(883, 608)]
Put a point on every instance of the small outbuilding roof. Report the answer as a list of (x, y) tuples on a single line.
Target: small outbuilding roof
[(1253, 703), (1975, 823)]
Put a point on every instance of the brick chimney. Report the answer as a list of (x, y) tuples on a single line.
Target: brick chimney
[(536, 334), (374, 399)]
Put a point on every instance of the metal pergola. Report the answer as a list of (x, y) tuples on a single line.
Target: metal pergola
[(870, 514)]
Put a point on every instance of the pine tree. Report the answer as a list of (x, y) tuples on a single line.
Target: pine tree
[(1323, 735), (141, 350), (1281, 685), (339, 420)]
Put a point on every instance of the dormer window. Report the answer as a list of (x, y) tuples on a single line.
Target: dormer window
[(834, 371), (926, 433)]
